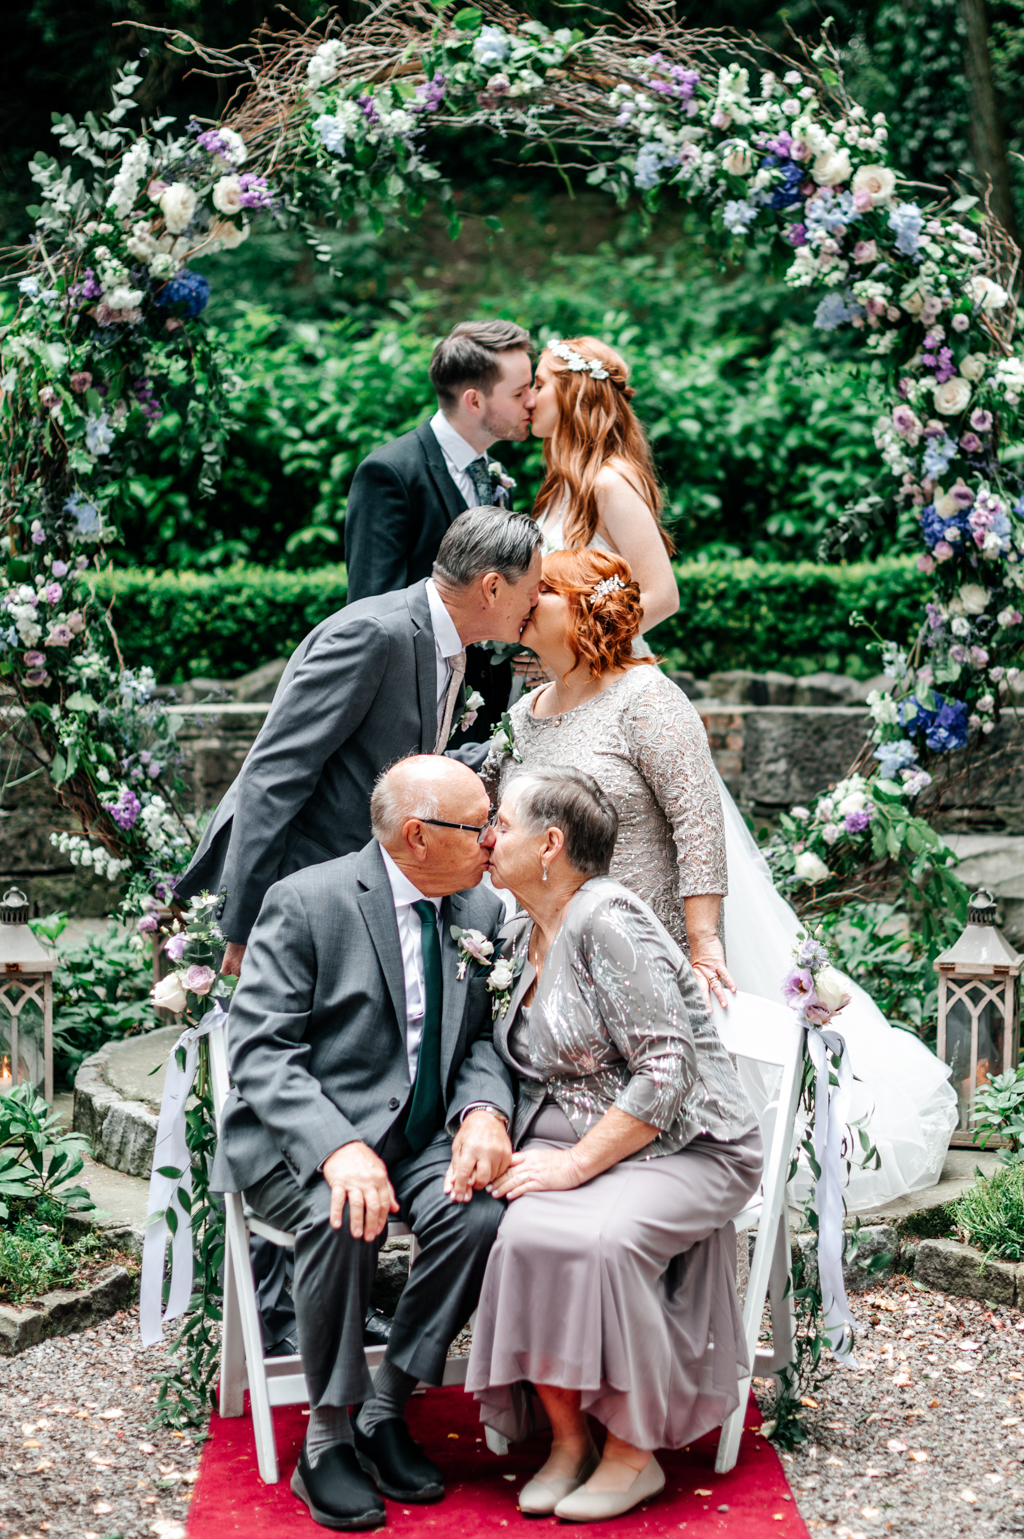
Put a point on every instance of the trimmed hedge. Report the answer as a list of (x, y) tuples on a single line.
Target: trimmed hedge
[(732, 614)]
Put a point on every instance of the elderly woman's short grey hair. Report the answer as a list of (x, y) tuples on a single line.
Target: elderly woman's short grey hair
[(562, 797), (487, 540)]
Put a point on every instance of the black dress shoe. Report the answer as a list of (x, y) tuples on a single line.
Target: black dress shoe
[(376, 1328), (397, 1463), (336, 1491)]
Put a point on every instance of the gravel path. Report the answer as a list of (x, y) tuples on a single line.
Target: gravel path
[(76, 1460), (928, 1437)]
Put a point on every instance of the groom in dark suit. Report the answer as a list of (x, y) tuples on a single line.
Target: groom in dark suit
[(366, 1083), (405, 495)]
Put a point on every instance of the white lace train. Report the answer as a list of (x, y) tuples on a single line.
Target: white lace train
[(901, 1088)]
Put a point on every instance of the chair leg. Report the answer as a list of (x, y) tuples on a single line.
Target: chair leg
[(259, 1400), (231, 1397), (495, 1442), (732, 1431), (780, 1294)]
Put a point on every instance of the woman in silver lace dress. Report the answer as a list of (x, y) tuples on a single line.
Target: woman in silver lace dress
[(619, 718), (636, 1147)]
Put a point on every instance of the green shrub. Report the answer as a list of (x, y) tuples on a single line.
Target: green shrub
[(34, 1258), (732, 614), (100, 991), (990, 1214)]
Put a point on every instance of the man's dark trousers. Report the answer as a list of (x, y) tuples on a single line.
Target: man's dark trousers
[(334, 1273)]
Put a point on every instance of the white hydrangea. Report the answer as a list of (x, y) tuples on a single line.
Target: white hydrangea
[(125, 187), (883, 710), (324, 63), (90, 856)]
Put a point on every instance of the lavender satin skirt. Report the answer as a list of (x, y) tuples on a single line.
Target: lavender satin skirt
[(616, 1289)]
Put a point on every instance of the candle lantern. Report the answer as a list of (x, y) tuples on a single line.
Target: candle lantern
[(979, 1007), (26, 978)]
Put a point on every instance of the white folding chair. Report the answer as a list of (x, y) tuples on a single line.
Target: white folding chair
[(270, 1380), (768, 1034)]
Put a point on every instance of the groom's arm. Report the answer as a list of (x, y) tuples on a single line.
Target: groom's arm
[(321, 707), (378, 519)]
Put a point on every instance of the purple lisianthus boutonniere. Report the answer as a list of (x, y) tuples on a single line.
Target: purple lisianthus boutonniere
[(473, 947)]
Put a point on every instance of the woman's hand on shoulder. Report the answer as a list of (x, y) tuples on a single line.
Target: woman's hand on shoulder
[(537, 1170), (628, 524)]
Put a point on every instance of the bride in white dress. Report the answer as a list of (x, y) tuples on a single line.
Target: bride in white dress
[(607, 500)]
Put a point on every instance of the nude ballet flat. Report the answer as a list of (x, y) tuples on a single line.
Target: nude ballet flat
[(539, 1498), (583, 1506)]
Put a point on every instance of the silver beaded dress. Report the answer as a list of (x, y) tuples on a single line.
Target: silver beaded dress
[(645, 745)]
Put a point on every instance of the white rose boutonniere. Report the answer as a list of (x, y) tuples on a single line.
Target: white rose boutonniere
[(473, 947), (474, 700), (501, 973), (501, 981)]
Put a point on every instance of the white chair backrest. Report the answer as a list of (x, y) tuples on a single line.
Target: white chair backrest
[(769, 1034)]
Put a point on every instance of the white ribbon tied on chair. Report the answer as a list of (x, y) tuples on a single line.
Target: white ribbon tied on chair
[(831, 1110), (171, 1152)]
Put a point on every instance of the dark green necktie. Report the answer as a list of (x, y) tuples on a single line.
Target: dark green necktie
[(425, 1110), (481, 479)]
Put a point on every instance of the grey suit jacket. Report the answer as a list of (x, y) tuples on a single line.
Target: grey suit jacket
[(358, 693), (316, 1031)]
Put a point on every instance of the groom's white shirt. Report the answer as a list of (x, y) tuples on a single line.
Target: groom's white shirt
[(458, 454), (410, 930)]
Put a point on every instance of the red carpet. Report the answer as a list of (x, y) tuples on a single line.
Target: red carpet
[(230, 1498)]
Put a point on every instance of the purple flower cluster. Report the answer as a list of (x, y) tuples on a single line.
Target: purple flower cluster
[(944, 728), (368, 108), (125, 810), (214, 143), (429, 94), (89, 288), (673, 80), (149, 403), (253, 191), (783, 145), (857, 822), (941, 360)]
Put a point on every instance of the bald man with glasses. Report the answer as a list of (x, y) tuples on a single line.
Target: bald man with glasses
[(366, 1084)]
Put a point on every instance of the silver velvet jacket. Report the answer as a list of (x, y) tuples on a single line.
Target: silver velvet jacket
[(618, 1019)]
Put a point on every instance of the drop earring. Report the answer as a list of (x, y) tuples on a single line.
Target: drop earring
[(545, 872)]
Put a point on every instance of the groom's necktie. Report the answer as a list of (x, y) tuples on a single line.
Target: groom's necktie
[(481, 479), (425, 1110), (458, 663)]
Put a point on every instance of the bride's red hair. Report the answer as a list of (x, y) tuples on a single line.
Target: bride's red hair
[(595, 424), (602, 629)]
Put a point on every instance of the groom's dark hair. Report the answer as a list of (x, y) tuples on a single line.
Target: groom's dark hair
[(469, 358)]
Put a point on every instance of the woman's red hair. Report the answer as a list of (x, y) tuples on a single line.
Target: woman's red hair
[(601, 629), (595, 424)]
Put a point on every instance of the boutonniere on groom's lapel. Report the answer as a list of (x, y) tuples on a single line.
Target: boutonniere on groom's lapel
[(474, 700), (501, 971), (501, 482)]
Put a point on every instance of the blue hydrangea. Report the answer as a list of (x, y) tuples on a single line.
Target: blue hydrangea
[(944, 728), (738, 215), (651, 160), (826, 211), (492, 46), (935, 528), (896, 756), (907, 221), (786, 192), (189, 290), (835, 310), (85, 514), (938, 455), (99, 435)]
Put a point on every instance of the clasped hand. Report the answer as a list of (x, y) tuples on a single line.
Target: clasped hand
[(481, 1151), (538, 1170)]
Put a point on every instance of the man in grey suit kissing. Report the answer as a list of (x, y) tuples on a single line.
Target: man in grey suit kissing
[(366, 1084)]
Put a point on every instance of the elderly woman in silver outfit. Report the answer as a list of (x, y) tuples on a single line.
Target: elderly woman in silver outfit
[(635, 1147)]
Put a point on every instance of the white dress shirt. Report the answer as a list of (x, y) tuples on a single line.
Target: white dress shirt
[(447, 643), (410, 939), (458, 454)]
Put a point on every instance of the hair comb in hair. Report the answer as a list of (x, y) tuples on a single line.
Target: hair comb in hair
[(602, 589), (575, 362)]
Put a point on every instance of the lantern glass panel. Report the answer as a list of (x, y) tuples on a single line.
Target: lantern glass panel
[(991, 1039), (31, 1060)]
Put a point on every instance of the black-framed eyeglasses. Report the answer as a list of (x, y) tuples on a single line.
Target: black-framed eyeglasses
[(480, 829)]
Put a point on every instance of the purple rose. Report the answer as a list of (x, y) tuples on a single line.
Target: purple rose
[(36, 678), (59, 569), (175, 946), (981, 421), (199, 980), (970, 443), (35, 659), (148, 925), (38, 537), (798, 987), (53, 593)]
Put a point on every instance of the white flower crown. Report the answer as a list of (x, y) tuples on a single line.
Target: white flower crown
[(602, 589), (576, 362)]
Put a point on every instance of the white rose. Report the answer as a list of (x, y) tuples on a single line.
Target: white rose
[(178, 206), (229, 235), (953, 397), (831, 167), (983, 292), (123, 298), (879, 181), (162, 266), (168, 994), (974, 598), (828, 986), (227, 195), (855, 802), (973, 367), (738, 162), (914, 303), (809, 868), (501, 977)]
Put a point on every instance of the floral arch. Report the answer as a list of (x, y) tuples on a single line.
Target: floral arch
[(108, 329)]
